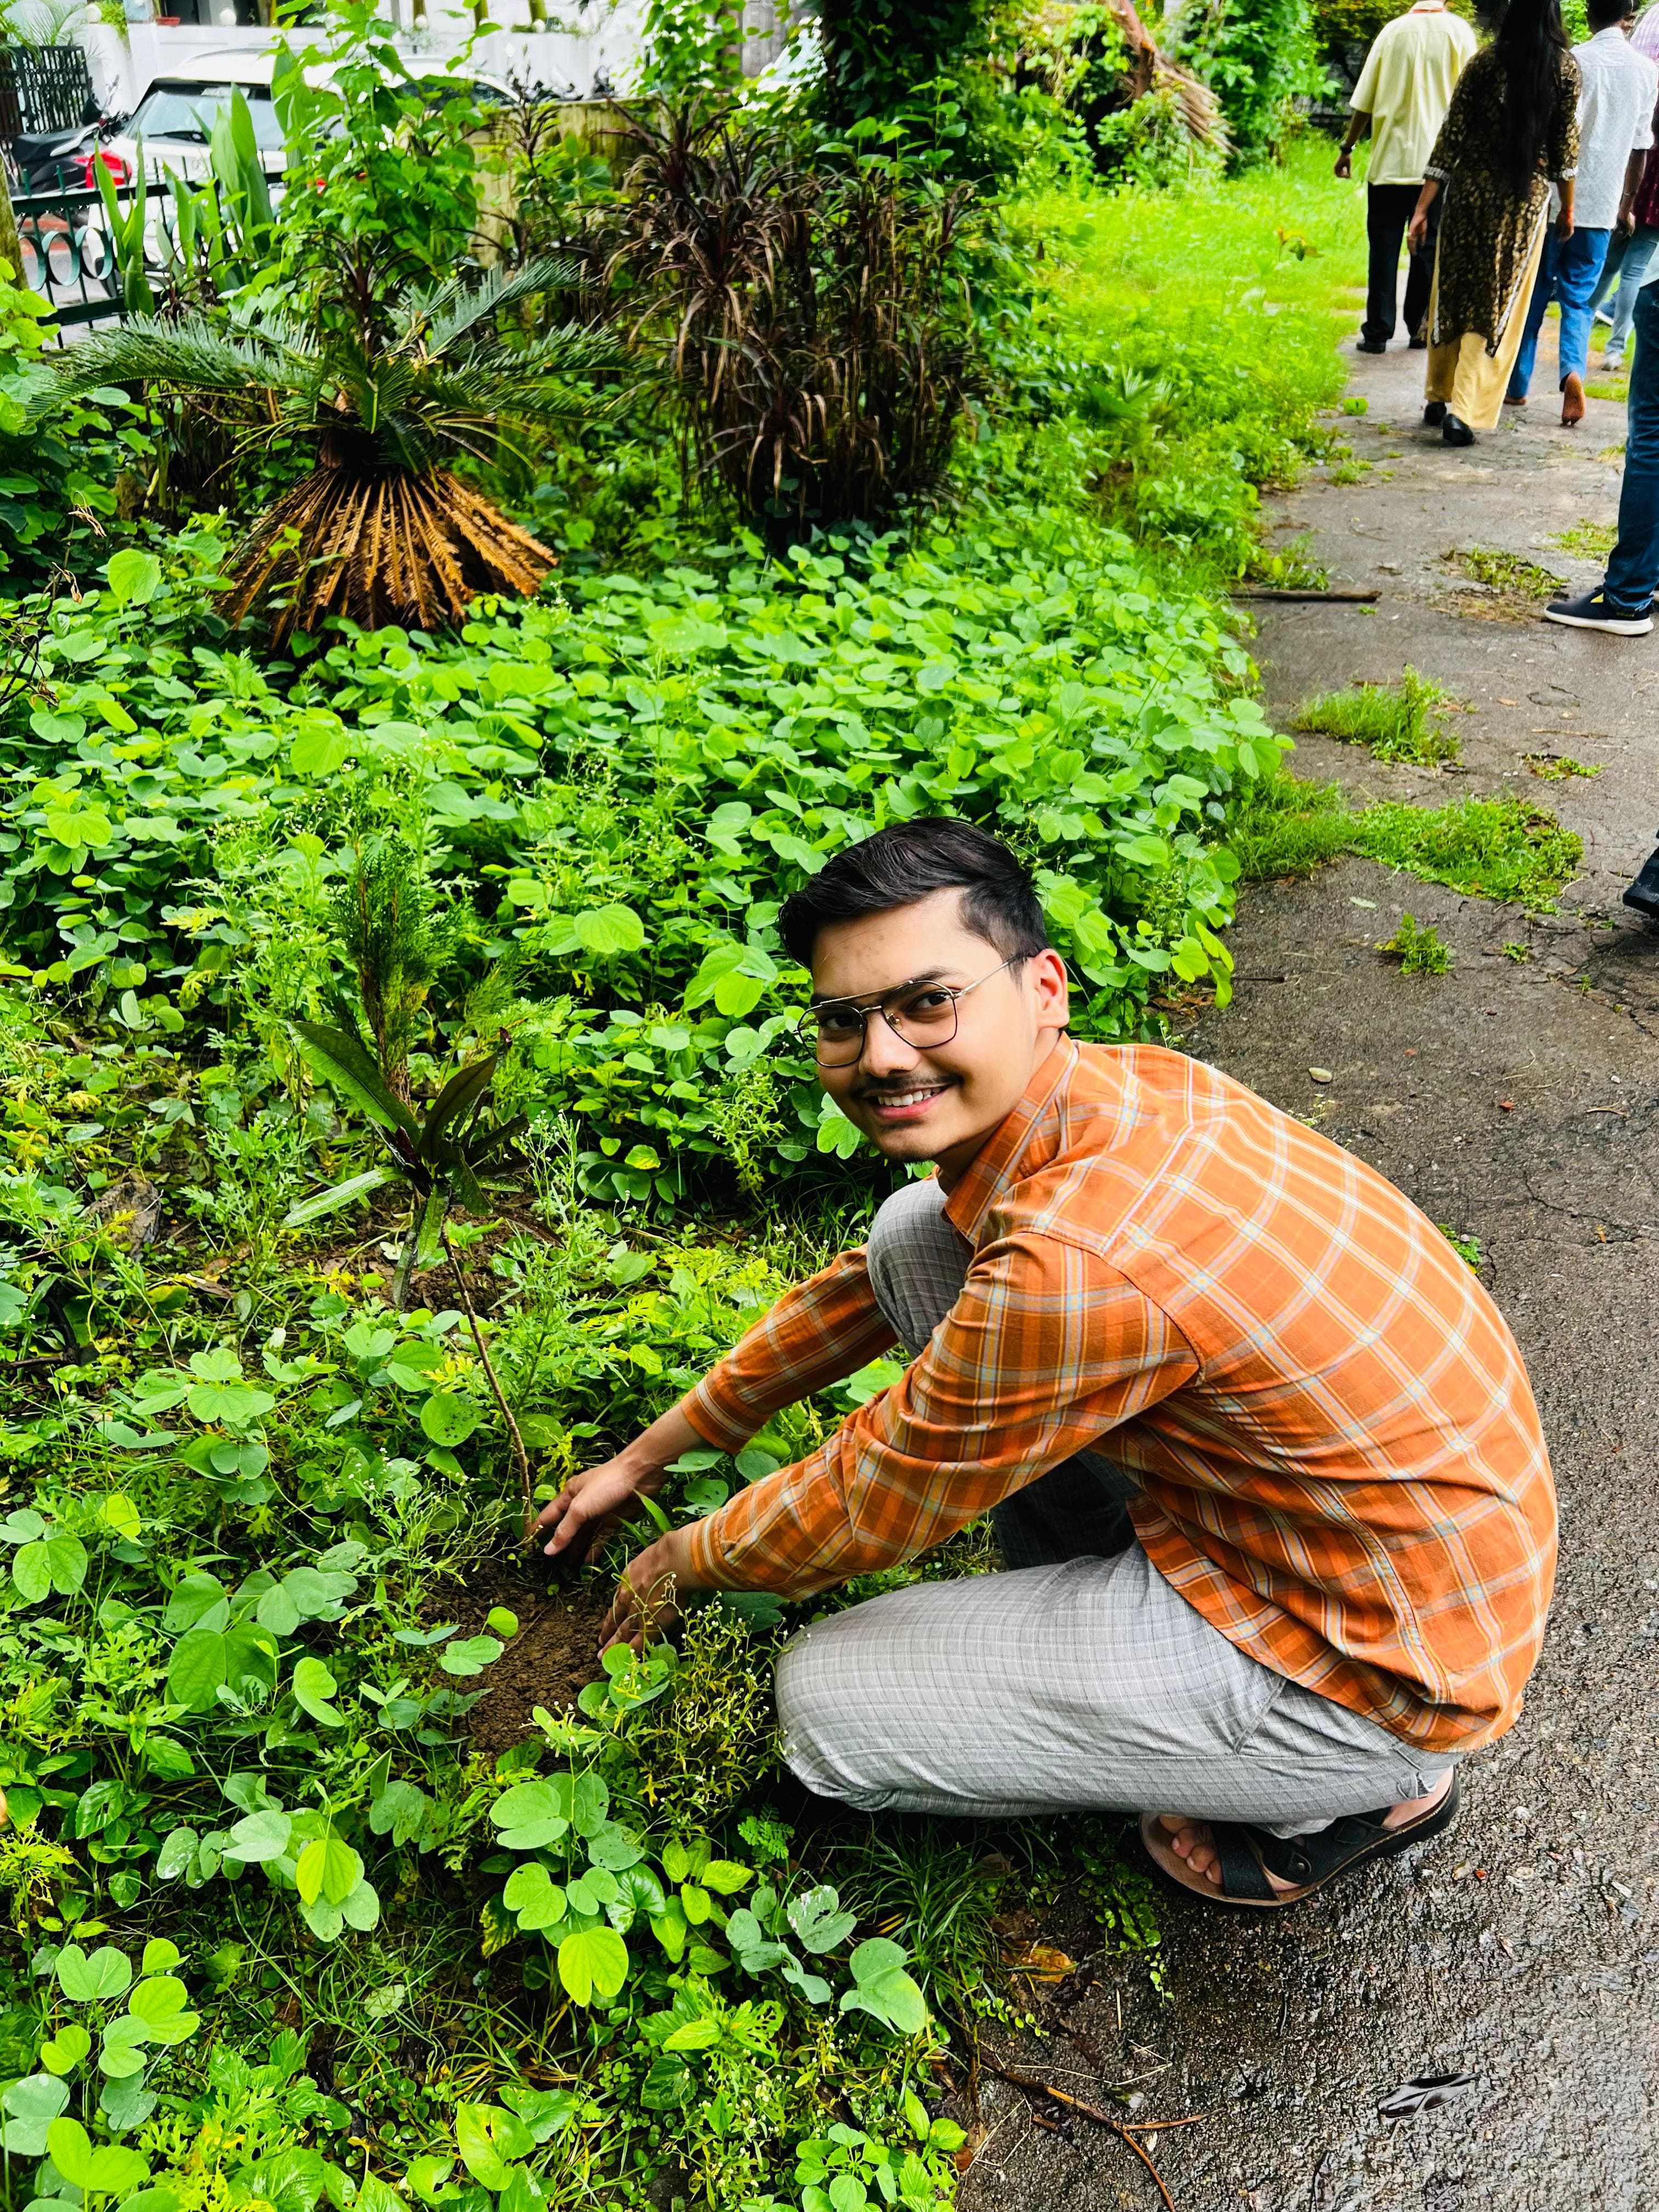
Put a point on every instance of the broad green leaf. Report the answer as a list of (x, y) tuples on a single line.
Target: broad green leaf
[(533, 1814), (533, 1898), (30, 2106), (725, 1877), (592, 1964), (470, 1655), (486, 2136), (320, 748), (400, 1812), (160, 1953), (313, 1686), (816, 1918), (608, 930), (328, 1869), (448, 1418), (54, 1563), (63, 2053), (884, 1988), (135, 577), (98, 1979)]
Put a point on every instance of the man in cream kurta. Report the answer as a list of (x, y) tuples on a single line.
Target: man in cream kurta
[(1403, 92)]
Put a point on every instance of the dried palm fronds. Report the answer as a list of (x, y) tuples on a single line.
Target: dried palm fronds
[(412, 547), (388, 394)]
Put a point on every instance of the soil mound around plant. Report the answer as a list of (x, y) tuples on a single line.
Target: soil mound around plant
[(555, 1655)]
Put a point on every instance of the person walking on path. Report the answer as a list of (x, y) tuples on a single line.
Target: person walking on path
[(1403, 92), (1631, 251), (1511, 131), (1617, 91), (1260, 1453)]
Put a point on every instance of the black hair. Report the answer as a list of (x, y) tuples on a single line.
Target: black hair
[(1531, 47), (910, 861), (1604, 13)]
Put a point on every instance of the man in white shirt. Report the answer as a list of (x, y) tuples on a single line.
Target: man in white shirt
[(1617, 90), (1403, 92)]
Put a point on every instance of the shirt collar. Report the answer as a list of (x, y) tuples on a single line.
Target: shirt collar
[(1008, 1151), (1612, 31)]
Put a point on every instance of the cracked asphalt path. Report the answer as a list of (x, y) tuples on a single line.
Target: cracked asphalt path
[(1515, 1099)]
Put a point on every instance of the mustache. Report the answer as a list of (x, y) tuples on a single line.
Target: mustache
[(896, 1088)]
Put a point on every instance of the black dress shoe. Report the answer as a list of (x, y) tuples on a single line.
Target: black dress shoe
[(1434, 414), (1418, 345), (1454, 431), (1369, 345), (1643, 893)]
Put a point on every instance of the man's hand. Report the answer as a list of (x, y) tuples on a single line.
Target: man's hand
[(645, 1604), (1564, 225), (1627, 219), (587, 1509), (1344, 164), (1417, 231)]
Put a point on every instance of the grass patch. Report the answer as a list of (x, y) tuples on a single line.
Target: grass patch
[(1554, 767), (1417, 947), (1604, 387), (1591, 541), (1497, 849), (1505, 571), (1395, 723), (1192, 333)]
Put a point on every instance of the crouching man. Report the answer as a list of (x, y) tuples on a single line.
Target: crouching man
[(1259, 1451)]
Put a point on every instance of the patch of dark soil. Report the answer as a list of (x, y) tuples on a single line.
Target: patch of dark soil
[(554, 1656)]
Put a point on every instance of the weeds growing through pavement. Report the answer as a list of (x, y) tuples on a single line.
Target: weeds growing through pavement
[(1395, 723), (1504, 849), (1418, 948)]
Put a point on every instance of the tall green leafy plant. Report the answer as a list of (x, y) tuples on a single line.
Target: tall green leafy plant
[(1257, 56)]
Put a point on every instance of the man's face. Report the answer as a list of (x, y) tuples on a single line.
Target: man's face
[(941, 1102)]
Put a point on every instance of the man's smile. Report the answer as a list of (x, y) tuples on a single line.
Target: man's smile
[(917, 1095)]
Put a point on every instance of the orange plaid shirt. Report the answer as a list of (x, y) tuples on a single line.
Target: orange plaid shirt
[(1340, 1459)]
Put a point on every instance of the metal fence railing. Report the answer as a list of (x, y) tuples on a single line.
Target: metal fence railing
[(68, 255), (42, 89)]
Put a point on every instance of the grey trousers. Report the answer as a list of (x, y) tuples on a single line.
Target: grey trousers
[(1078, 1679)]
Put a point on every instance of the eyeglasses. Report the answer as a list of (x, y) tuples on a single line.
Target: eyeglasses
[(923, 1014)]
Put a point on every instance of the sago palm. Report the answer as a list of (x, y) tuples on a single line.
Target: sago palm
[(386, 388)]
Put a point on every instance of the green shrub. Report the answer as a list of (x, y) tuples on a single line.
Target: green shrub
[(57, 459), (633, 781)]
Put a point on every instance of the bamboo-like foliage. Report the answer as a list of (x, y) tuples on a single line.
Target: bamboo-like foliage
[(387, 390), (809, 315)]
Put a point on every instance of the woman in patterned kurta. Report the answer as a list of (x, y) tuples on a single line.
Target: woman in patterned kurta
[(1492, 230)]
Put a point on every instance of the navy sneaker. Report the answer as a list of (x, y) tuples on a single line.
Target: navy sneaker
[(1592, 612), (1643, 893)]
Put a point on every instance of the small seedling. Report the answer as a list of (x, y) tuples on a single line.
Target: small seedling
[(1514, 951), (1418, 949), (1356, 406), (1467, 1248)]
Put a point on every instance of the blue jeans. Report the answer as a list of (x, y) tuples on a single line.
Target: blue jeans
[(1633, 574), (1629, 256), (1568, 273)]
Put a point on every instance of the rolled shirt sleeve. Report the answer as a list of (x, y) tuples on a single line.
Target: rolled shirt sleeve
[(1047, 1348)]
